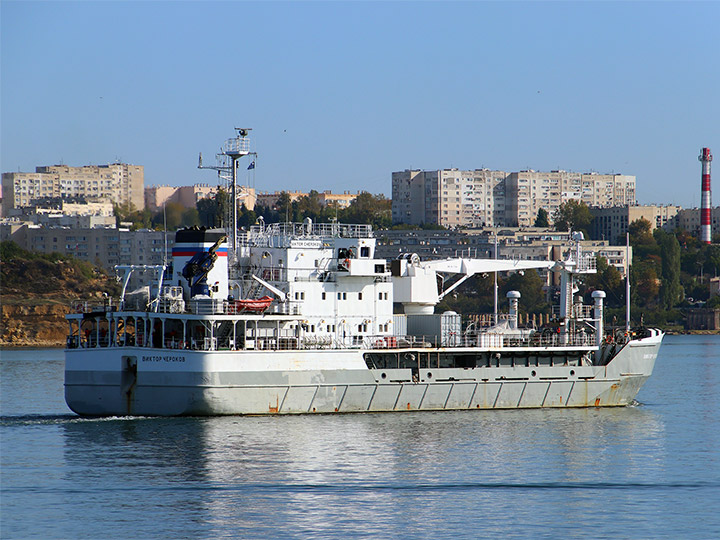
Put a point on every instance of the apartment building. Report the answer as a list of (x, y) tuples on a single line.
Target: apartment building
[(689, 220), (188, 196), (448, 197), (612, 223), (487, 198), (325, 198), (339, 200), (529, 191), (119, 183)]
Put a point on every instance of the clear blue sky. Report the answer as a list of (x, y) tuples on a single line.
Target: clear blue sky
[(342, 94)]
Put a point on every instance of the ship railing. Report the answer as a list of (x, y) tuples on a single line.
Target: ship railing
[(578, 311), (216, 306), (90, 306), (171, 305), (585, 263), (487, 321), (305, 230), (211, 306), (482, 340), (238, 145)]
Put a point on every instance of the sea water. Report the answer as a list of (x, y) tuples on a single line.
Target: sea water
[(647, 471)]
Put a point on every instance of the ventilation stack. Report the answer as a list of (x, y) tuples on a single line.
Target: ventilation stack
[(705, 209)]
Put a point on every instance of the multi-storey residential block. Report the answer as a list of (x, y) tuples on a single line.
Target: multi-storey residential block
[(119, 183), (448, 197), (157, 196), (325, 198), (612, 223), (477, 198), (528, 191), (408, 198), (270, 199), (188, 196), (688, 219), (68, 213), (341, 200)]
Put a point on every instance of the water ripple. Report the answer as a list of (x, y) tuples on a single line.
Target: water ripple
[(49, 419), (378, 488)]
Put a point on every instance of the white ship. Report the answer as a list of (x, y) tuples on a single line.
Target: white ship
[(301, 318)]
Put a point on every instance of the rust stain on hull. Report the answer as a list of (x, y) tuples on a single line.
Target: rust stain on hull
[(273, 409)]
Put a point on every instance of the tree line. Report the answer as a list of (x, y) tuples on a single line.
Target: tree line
[(215, 212)]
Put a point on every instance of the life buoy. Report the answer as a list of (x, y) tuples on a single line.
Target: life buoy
[(347, 263)]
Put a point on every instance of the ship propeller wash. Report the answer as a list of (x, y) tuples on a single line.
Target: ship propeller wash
[(302, 318)]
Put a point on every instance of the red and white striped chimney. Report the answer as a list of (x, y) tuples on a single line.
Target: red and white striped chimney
[(705, 208)]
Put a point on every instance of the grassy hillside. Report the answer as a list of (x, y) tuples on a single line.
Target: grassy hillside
[(28, 277), (36, 291)]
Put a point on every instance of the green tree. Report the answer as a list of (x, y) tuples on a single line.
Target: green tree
[(212, 211), (640, 233), (542, 218), (645, 284), (173, 216), (671, 292), (284, 207), (246, 218), (309, 206), (608, 279), (530, 286), (207, 211), (127, 213), (573, 215), (367, 208), (190, 217)]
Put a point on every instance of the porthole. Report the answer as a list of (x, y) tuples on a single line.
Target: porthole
[(383, 376)]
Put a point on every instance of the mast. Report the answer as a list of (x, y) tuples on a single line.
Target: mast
[(627, 284), (495, 283), (230, 153)]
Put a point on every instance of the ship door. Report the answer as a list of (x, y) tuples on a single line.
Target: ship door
[(128, 381)]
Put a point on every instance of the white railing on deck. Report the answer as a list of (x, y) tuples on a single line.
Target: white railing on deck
[(260, 233)]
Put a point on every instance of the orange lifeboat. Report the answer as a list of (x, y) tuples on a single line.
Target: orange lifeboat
[(256, 306)]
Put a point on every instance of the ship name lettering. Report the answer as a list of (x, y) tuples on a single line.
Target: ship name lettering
[(163, 358)]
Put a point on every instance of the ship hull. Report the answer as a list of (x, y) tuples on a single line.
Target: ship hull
[(161, 382)]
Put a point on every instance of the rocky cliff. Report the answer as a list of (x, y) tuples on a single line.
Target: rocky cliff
[(33, 325)]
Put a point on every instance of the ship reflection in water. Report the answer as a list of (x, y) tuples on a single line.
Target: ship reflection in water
[(385, 474)]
